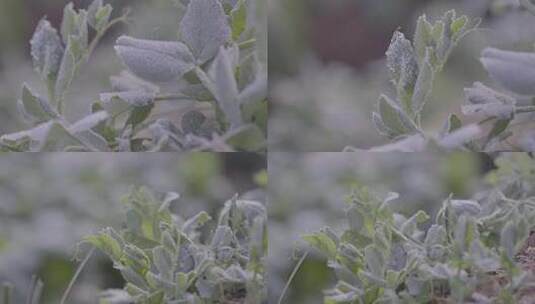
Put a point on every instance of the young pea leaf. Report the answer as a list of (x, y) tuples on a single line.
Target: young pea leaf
[(391, 120), (204, 28), (238, 17), (74, 24), (67, 69), (98, 15), (513, 70), (135, 98), (157, 61), (35, 108), (221, 83), (46, 50), (424, 84)]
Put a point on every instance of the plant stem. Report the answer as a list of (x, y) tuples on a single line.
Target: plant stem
[(292, 275), (76, 275), (247, 43), (518, 110), (102, 32), (172, 97)]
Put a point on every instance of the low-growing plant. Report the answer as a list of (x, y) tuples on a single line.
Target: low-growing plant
[(215, 61), (165, 258), (413, 66), (476, 250)]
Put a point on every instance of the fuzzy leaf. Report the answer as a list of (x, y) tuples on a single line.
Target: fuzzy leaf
[(204, 28), (74, 24), (35, 108), (424, 85), (135, 98), (46, 49), (238, 17), (513, 70), (67, 69), (157, 61), (394, 121), (220, 81)]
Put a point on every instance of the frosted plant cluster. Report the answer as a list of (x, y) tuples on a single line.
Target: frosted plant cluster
[(214, 61)]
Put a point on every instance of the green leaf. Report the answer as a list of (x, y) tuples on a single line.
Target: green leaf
[(423, 37), (424, 84), (98, 15), (67, 70), (395, 121), (238, 17), (138, 115), (498, 128), (323, 242), (109, 242), (249, 138), (35, 108), (74, 24), (453, 124)]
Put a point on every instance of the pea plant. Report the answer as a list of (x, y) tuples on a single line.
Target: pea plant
[(214, 63), (475, 250), (413, 66), (165, 258)]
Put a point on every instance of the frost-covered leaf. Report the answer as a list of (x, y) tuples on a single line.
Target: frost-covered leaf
[(115, 296), (403, 67), (460, 137), (392, 120), (413, 143), (220, 81), (46, 49), (158, 61), (424, 84), (109, 242), (513, 70), (74, 25), (470, 207), (204, 28), (323, 242), (135, 98), (35, 108), (423, 37), (98, 15), (485, 101), (67, 69)]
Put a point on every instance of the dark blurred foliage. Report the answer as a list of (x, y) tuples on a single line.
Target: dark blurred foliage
[(354, 32)]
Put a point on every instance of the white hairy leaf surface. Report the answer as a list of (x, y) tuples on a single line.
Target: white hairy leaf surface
[(222, 84), (513, 70), (157, 61), (46, 49), (205, 28)]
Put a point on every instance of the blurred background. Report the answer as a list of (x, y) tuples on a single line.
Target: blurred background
[(327, 68), (50, 201), (307, 192), (155, 19)]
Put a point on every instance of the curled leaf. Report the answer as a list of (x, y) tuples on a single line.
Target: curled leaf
[(514, 70)]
